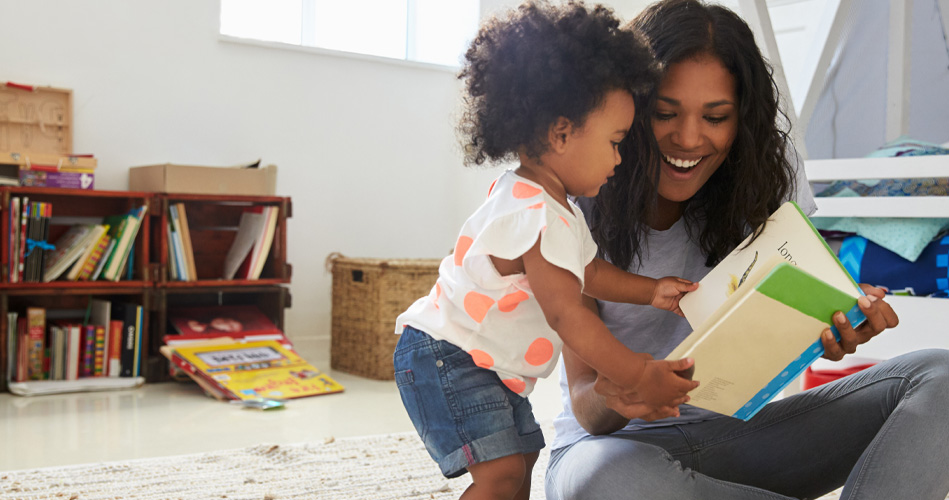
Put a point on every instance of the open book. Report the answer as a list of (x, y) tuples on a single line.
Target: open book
[(758, 315)]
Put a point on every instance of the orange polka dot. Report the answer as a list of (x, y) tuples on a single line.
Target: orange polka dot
[(481, 358), (565, 221), (461, 248), (523, 190), (477, 305), (537, 205), (438, 294), (515, 385), (492, 187), (539, 352), (510, 301)]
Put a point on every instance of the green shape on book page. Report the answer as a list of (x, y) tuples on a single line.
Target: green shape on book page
[(796, 288)]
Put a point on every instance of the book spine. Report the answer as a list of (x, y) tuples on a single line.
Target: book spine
[(12, 338), (74, 350), (99, 359), (23, 350), (115, 348), (36, 324), (85, 273), (24, 222), (88, 351)]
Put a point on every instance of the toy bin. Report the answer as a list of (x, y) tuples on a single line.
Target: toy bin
[(368, 296)]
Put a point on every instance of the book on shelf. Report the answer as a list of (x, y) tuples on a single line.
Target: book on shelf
[(130, 316), (99, 252), (69, 247), (251, 370), (13, 241), (759, 314), (247, 255), (182, 218), (12, 338), (176, 246), (36, 328), (98, 233), (24, 220), (127, 227)]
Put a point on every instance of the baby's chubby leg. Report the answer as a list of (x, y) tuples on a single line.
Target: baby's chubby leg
[(505, 478)]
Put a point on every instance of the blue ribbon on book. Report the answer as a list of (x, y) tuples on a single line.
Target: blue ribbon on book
[(31, 244)]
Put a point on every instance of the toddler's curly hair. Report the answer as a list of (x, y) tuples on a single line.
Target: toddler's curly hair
[(541, 62)]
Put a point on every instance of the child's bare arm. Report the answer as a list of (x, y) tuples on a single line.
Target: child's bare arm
[(605, 281), (558, 293)]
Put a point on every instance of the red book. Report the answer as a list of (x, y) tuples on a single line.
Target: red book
[(218, 321), (115, 347), (87, 366)]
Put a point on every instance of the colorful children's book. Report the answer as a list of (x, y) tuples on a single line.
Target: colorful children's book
[(759, 314), (250, 370)]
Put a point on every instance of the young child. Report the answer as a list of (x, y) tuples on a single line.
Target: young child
[(553, 87)]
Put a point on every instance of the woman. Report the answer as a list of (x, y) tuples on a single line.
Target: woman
[(722, 169)]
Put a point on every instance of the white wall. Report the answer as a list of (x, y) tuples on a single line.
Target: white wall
[(365, 149)]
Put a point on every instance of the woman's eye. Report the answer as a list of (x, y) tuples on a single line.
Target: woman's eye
[(715, 119), (615, 144), (663, 116)]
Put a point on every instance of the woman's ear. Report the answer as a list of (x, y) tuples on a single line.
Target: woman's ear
[(559, 133)]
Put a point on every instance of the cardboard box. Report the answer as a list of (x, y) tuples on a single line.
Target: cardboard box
[(170, 178)]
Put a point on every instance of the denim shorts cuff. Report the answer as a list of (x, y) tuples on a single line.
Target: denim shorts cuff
[(497, 445)]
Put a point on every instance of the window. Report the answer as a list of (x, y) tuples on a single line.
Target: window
[(431, 31)]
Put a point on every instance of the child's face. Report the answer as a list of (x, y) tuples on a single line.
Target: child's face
[(592, 151)]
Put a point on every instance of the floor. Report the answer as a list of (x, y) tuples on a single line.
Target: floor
[(176, 418)]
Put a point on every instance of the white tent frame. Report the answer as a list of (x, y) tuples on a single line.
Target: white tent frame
[(827, 37)]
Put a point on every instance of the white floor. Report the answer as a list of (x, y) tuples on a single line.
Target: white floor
[(176, 418)]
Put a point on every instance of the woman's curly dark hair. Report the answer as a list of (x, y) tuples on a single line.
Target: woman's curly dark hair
[(756, 176), (538, 63)]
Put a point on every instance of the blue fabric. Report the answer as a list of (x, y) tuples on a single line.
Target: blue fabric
[(463, 413), (870, 263)]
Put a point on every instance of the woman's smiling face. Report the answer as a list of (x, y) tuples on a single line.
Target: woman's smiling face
[(695, 124)]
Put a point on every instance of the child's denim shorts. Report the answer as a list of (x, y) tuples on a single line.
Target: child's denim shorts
[(463, 413)]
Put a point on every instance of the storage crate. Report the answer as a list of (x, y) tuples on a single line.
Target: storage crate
[(368, 296)]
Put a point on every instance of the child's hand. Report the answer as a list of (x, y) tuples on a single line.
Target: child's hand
[(668, 291), (662, 383)]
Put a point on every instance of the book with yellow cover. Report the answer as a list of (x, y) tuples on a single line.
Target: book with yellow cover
[(259, 369)]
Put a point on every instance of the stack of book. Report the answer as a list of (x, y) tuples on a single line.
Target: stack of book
[(237, 353), (105, 343), (84, 252)]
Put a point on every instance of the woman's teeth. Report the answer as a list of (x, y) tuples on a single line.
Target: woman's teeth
[(681, 163)]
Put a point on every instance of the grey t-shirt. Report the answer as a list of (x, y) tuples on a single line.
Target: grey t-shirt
[(654, 331)]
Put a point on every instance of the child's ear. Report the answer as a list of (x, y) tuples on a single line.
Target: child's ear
[(559, 133)]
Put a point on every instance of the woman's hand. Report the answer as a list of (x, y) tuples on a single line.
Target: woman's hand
[(880, 316)]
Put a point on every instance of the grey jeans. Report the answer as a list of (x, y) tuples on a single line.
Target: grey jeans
[(883, 433)]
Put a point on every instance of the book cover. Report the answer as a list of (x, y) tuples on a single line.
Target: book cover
[(120, 253), (57, 353), (14, 240), (115, 348), (98, 233), (227, 320), (24, 222), (249, 229), (88, 354), (23, 350), (258, 369), (98, 253), (11, 345), (756, 326), (73, 349), (69, 247), (188, 250), (263, 243)]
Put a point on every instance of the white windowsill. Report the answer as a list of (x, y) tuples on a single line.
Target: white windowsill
[(338, 53)]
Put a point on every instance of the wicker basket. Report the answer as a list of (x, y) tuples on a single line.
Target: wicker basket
[(368, 295)]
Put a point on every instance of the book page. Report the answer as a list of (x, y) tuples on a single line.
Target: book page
[(789, 235)]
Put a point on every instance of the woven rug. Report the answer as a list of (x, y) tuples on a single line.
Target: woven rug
[(384, 467)]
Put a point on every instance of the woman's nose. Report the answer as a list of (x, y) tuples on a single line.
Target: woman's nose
[(687, 135)]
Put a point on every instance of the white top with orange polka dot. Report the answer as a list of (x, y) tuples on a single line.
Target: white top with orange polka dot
[(496, 318)]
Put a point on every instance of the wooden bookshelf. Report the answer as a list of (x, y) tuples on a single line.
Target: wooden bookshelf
[(213, 221)]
